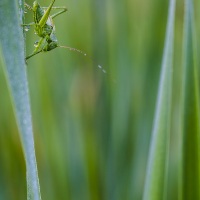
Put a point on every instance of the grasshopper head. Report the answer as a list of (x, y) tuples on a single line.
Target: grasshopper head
[(35, 6)]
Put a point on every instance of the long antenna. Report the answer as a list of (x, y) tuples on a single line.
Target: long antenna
[(79, 51), (73, 49)]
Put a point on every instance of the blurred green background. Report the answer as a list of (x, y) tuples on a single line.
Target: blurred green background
[(92, 130)]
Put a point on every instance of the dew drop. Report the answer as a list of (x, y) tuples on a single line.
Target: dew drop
[(36, 44), (99, 66), (104, 71), (25, 10), (26, 28)]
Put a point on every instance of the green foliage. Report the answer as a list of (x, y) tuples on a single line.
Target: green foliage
[(190, 181), (132, 133), (12, 58), (158, 156)]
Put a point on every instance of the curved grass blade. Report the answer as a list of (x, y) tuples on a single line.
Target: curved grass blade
[(190, 175), (12, 57), (158, 156)]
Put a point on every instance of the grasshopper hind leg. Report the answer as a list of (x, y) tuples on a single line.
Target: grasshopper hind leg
[(62, 8)]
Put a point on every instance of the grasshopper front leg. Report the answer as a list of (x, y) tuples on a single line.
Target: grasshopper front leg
[(45, 44), (33, 54), (36, 51)]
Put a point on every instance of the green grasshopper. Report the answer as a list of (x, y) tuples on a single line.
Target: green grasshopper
[(44, 28)]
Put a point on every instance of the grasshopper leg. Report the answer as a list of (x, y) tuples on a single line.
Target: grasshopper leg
[(33, 54), (39, 45), (62, 8), (36, 51)]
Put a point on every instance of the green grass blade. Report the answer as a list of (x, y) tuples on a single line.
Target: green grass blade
[(157, 163), (191, 116), (12, 57)]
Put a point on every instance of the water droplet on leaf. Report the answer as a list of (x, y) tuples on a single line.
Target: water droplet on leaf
[(26, 28), (36, 44)]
